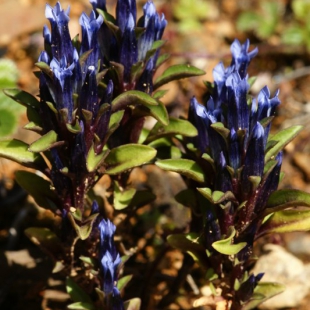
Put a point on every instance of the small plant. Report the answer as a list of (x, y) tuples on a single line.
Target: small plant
[(95, 94)]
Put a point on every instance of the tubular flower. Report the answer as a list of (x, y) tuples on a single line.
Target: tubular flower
[(79, 81), (133, 56), (233, 130), (109, 262)]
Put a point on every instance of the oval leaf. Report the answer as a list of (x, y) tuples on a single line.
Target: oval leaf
[(186, 243), (285, 198), (38, 188), (225, 246), (159, 112), (186, 167), (132, 97), (262, 292), (47, 241), (175, 127), (44, 143), (93, 160), (128, 156), (132, 304), (280, 140), (22, 97), (76, 293), (177, 72), (286, 221), (17, 151)]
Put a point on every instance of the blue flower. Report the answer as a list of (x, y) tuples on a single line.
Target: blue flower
[(60, 40), (109, 262), (238, 149), (98, 4)]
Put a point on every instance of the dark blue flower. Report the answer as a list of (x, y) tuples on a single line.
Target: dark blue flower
[(125, 10), (241, 57), (90, 27), (98, 4), (109, 262), (128, 50), (60, 40)]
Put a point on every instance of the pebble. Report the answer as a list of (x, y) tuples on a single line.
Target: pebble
[(282, 267)]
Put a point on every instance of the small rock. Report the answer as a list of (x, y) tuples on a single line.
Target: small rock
[(280, 266)]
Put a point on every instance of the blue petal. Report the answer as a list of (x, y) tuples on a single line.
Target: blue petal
[(241, 57), (125, 9), (128, 52), (98, 4)]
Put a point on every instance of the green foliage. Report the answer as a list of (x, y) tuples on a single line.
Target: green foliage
[(226, 245), (177, 72), (190, 16), (125, 157), (263, 27), (186, 167), (262, 292), (9, 111), (292, 29)]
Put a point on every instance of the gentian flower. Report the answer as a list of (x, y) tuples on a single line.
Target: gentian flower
[(239, 161), (109, 263)]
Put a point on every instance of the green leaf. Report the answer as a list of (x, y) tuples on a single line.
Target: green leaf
[(175, 127), (187, 198), (186, 167), (216, 197), (17, 151), (44, 143), (161, 59), (285, 198), (38, 188), (83, 231), (132, 304), (141, 198), (81, 306), (225, 246), (47, 241), (160, 93), (23, 98), (74, 128), (76, 293), (189, 243), (262, 292), (132, 97), (177, 72), (122, 198), (159, 112), (93, 161), (286, 221), (122, 282), (8, 122), (128, 156), (281, 138)]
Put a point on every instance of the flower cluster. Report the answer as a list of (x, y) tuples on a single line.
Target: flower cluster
[(233, 130), (109, 263), (79, 80)]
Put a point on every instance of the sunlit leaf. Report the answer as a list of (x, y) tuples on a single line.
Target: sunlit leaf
[(281, 138), (177, 72), (186, 167), (226, 246), (262, 292), (132, 97), (128, 156), (285, 198), (39, 188)]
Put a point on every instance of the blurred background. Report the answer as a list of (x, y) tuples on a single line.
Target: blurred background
[(200, 33)]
